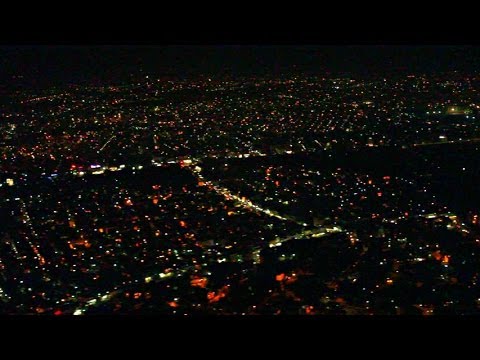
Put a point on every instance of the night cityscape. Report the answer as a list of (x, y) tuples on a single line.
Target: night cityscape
[(239, 180)]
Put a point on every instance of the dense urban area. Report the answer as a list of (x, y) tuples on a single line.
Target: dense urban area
[(294, 194)]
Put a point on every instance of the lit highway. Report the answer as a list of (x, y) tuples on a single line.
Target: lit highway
[(227, 194)]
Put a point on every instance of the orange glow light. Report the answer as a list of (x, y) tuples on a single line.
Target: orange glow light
[(199, 282)]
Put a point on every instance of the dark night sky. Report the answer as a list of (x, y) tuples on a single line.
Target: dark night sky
[(45, 65)]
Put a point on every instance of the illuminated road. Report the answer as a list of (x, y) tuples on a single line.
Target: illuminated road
[(28, 221), (473, 140), (316, 233), (108, 141), (103, 298), (227, 194)]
